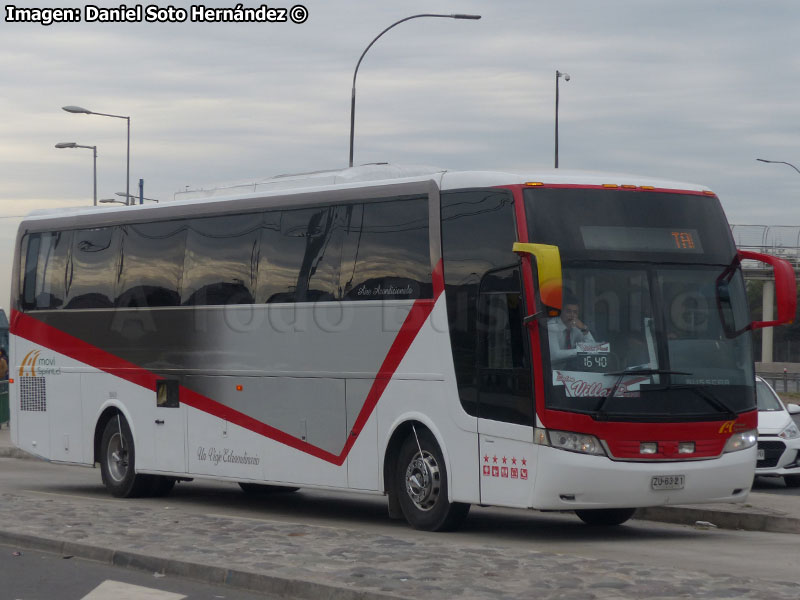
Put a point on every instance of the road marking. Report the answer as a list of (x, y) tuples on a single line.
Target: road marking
[(116, 590)]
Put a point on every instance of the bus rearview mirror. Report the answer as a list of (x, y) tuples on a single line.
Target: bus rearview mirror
[(785, 288), (548, 270)]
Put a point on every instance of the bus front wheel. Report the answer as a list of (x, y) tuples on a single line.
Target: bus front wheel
[(118, 461), (421, 485), (605, 516)]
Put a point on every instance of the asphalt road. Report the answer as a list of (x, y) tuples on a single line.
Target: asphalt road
[(763, 556), (32, 575)]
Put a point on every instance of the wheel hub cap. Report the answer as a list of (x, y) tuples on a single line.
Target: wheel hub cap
[(117, 458), (422, 481)]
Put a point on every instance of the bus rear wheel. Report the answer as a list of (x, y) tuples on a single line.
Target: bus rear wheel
[(161, 485), (118, 461), (607, 517), (421, 486)]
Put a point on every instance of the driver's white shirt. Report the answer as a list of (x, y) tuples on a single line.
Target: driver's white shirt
[(556, 333)]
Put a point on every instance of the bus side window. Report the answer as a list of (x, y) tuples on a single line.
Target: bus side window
[(477, 236), (220, 260), (151, 264), (45, 270), (29, 280), (386, 254), (299, 256)]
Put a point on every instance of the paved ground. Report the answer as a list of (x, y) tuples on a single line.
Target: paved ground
[(312, 561)]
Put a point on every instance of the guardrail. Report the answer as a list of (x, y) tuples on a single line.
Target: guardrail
[(783, 382), (778, 240)]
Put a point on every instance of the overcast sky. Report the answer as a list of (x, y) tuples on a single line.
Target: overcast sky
[(691, 90)]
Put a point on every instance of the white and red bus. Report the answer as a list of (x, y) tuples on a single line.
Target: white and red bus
[(396, 331)]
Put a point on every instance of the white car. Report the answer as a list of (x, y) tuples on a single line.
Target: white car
[(778, 436)]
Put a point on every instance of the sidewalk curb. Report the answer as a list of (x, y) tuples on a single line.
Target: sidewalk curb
[(748, 521), (269, 584)]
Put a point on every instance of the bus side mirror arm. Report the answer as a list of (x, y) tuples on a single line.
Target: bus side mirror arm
[(542, 314), (785, 288)]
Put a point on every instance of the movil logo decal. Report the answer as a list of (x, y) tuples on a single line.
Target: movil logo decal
[(732, 427), (33, 366)]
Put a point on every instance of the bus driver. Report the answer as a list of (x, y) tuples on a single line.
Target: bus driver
[(566, 331)]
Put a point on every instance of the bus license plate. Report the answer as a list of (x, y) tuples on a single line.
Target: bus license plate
[(667, 482)]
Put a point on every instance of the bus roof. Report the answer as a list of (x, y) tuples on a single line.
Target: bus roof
[(377, 174), (374, 173)]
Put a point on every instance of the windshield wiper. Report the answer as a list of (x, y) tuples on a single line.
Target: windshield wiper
[(600, 414), (717, 403)]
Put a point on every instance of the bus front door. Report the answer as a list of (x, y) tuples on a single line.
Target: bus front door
[(505, 397)]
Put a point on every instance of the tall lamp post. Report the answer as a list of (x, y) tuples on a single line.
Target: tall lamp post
[(559, 75), (780, 162), (355, 73), (132, 199), (85, 111), (61, 145)]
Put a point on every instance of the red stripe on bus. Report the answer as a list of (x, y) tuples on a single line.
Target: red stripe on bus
[(408, 332), (39, 333), (48, 336)]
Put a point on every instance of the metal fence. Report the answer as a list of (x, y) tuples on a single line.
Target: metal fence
[(785, 383), (778, 240)]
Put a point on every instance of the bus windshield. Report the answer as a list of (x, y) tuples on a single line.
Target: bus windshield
[(649, 330)]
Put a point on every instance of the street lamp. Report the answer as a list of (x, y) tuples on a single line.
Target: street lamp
[(85, 111), (132, 198), (62, 145), (358, 64), (780, 162), (559, 74)]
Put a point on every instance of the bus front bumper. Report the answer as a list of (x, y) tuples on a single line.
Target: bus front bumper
[(569, 481)]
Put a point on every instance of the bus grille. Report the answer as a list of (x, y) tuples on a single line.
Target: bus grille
[(32, 393)]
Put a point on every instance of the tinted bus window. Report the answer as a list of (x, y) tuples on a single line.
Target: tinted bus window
[(31, 243), (387, 251), (46, 270), (221, 259), (477, 236), (151, 264), (300, 256), (92, 272)]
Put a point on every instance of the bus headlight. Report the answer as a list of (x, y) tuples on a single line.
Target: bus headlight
[(568, 440), (741, 441)]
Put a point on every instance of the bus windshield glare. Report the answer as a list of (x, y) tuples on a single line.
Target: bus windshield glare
[(654, 306)]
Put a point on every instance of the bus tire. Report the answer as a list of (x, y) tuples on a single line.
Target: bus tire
[(118, 461), (421, 486), (605, 517), (161, 485), (262, 488)]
